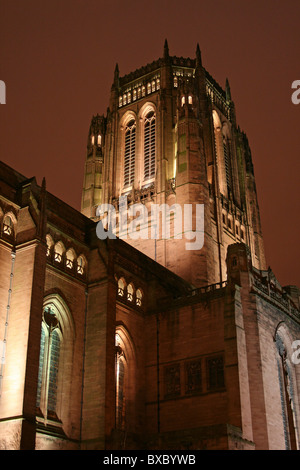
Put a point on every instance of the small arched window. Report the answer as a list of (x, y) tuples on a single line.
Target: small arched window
[(182, 100), (175, 82), (81, 264), (8, 225), (70, 257), (50, 243), (148, 88), (130, 292), (139, 297), (121, 287), (129, 157), (190, 99), (58, 252), (149, 145)]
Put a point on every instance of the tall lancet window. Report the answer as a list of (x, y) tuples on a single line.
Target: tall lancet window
[(149, 146), (129, 158), (120, 384), (220, 161), (226, 150), (49, 364)]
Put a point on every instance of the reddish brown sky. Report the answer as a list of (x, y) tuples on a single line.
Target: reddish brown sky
[(57, 58)]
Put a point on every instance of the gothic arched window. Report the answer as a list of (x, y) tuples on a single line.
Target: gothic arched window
[(126, 379), (129, 157), (51, 336), (286, 394), (120, 384), (149, 145)]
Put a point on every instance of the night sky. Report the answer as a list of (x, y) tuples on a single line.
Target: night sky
[(57, 58)]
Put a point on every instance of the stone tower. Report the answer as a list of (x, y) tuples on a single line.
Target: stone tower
[(103, 348), (169, 138)]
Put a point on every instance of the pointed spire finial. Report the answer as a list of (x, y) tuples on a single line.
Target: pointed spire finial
[(116, 75), (43, 185), (227, 90), (198, 55), (41, 227), (166, 49)]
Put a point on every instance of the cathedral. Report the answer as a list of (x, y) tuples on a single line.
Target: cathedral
[(145, 339)]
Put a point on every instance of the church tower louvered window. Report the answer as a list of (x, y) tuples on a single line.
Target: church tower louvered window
[(227, 162), (129, 159), (149, 146)]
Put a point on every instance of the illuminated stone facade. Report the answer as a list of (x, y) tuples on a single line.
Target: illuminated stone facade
[(105, 345), (199, 156)]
